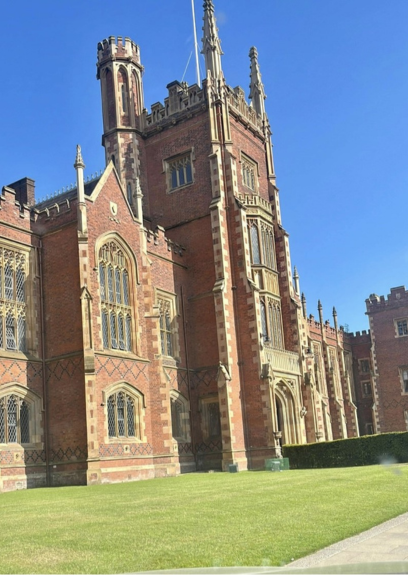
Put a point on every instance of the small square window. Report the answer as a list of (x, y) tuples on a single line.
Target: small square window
[(402, 327), (179, 172)]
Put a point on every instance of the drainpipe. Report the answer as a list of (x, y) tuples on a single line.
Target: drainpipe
[(44, 382)]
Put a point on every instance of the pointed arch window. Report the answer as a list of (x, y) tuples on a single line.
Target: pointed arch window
[(180, 423), (115, 298), (125, 414), (13, 273), (14, 419)]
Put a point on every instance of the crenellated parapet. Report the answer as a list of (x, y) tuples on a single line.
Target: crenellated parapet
[(118, 48), (182, 101), (10, 198), (397, 298), (363, 337), (158, 242)]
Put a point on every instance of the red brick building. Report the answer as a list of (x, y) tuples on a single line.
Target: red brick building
[(150, 322)]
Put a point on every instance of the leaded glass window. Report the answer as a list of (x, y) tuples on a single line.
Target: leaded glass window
[(249, 173), (262, 244), (180, 425), (124, 415), (255, 251), (14, 420), (181, 171), (166, 327), (271, 320), (115, 298), (13, 275)]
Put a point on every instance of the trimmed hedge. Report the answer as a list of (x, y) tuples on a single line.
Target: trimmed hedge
[(356, 451)]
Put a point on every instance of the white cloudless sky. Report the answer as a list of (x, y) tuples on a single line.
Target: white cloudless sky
[(336, 77)]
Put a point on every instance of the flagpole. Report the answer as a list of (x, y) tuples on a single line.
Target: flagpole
[(196, 45)]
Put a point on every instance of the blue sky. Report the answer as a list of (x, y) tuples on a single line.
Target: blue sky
[(336, 77)]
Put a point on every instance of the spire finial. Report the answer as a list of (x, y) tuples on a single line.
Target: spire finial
[(79, 163), (296, 280), (211, 42), (304, 309), (257, 92)]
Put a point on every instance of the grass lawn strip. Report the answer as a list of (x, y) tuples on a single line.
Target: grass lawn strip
[(197, 520)]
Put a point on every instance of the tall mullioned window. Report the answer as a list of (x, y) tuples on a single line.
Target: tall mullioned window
[(262, 244), (115, 298), (271, 321), (14, 420), (13, 273), (166, 326), (249, 173)]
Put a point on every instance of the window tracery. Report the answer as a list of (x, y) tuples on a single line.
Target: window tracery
[(115, 298), (271, 322), (13, 273), (262, 244), (124, 414)]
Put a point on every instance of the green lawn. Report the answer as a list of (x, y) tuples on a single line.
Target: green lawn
[(217, 519)]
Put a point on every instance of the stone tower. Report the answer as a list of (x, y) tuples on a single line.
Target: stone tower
[(120, 73)]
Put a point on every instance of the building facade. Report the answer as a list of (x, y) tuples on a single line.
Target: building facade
[(150, 321)]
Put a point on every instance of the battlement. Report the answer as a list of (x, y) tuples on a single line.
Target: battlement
[(11, 196), (359, 337), (316, 325), (119, 49), (397, 297), (243, 111), (181, 98), (158, 238)]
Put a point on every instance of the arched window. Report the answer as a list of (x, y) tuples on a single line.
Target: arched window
[(125, 414), (13, 267), (14, 419), (115, 298), (180, 423)]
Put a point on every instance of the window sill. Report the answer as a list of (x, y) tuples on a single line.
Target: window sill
[(120, 354), (179, 188)]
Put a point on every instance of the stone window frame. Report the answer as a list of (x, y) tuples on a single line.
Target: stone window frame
[(366, 388), (35, 409), (363, 363), (180, 429), (167, 303), (105, 305), (262, 250), (403, 375), (249, 173), (172, 165), (404, 328), (204, 403), (139, 412), (20, 310), (270, 309)]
